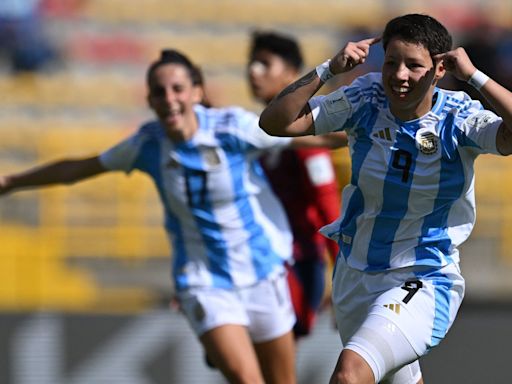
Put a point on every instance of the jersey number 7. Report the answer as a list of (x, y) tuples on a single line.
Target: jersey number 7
[(195, 184)]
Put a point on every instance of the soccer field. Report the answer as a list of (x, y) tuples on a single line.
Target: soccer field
[(158, 348)]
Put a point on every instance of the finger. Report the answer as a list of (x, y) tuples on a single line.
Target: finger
[(348, 60), (439, 56), (371, 41), (362, 51), (353, 59)]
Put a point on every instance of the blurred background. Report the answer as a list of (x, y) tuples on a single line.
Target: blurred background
[(85, 270)]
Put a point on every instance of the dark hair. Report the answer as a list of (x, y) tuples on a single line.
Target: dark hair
[(171, 56), (284, 46), (419, 29)]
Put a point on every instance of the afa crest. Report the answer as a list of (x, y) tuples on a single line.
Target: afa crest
[(427, 142), (211, 157)]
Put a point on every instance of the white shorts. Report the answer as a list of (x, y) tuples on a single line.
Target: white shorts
[(264, 308), (395, 317)]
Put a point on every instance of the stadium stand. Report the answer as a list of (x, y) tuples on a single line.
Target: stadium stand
[(233, 12)]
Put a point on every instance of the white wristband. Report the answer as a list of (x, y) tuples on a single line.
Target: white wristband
[(323, 71), (478, 79)]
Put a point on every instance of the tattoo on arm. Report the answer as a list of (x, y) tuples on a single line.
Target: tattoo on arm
[(305, 80)]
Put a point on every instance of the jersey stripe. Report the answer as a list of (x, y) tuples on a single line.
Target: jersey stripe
[(442, 310), (361, 148), (434, 243), (396, 189), (148, 160), (200, 202), (247, 216)]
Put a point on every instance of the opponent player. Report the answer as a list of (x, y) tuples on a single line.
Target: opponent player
[(302, 178), (229, 233), (397, 287)]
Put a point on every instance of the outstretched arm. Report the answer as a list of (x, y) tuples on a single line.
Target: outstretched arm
[(458, 63), (59, 172), (289, 113)]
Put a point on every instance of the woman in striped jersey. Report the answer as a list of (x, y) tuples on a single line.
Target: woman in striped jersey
[(229, 234), (397, 285)]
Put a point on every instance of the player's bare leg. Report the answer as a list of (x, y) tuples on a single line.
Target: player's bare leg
[(230, 349), (351, 368), (277, 359)]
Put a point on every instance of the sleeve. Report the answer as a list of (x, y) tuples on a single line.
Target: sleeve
[(121, 156), (331, 113), (481, 127), (251, 133)]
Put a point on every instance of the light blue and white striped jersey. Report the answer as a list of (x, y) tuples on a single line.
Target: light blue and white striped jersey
[(411, 199), (225, 224)]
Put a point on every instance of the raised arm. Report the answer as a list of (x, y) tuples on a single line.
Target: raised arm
[(289, 113), (459, 64), (60, 172)]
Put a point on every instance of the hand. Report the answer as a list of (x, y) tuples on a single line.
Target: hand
[(352, 54), (4, 185), (457, 62)]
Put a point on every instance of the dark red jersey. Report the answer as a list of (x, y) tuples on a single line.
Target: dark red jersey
[(305, 182)]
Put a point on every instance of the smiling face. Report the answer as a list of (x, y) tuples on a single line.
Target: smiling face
[(409, 77), (172, 96), (268, 74)]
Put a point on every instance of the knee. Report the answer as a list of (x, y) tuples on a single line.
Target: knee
[(352, 369), (347, 376), (240, 375), (344, 377)]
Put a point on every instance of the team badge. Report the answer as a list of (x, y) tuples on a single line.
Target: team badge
[(211, 157), (427, 142)]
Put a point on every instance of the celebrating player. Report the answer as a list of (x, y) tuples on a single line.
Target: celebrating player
[(229, 233), (397, 285)]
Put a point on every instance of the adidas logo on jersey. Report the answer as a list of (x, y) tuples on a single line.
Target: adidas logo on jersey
[(384, 134), (394, 307)]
